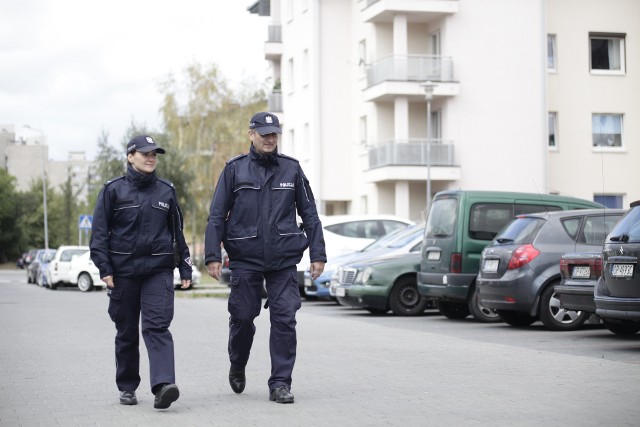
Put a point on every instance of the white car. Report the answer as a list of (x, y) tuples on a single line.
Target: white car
[(349, 233), (86, 275), (58, 270)]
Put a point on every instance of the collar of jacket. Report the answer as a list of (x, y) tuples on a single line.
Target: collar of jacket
[(264, 159), (140, 179)]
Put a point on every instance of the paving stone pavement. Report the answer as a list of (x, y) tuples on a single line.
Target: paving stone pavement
[(57, 368)]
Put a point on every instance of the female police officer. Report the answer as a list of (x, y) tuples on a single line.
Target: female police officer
[(134, 221)]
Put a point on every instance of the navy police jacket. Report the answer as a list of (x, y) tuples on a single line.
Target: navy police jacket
[(253, 212), (132, 229)]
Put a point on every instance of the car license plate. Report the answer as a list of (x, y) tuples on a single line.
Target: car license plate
[(341, 292), (581, 272), (433, 256), (622, 270), (490, 265)]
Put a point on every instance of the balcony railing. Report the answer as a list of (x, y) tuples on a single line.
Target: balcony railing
[(275, 34), (411, 68), (274, 101), (412, 153)]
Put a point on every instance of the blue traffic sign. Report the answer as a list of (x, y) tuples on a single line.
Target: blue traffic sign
[(84, 222)]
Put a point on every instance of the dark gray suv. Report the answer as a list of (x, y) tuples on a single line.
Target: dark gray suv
[(617, 293), (521, 266)]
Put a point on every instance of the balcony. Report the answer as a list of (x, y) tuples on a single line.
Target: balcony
[(273, 45), (416, 10), (402, 75), (274, 102), (392, 161)]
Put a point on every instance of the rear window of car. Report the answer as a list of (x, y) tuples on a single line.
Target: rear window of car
[(629, 225), (520, 231), (66, 255), (442, 218)]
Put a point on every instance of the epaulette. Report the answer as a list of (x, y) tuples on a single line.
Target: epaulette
[(288, 157), (239, 156), (111, 181), (169, 183)]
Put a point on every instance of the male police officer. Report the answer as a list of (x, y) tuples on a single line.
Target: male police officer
[(253, 212)]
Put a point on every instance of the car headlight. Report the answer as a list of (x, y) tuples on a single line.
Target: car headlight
[(363, 275)]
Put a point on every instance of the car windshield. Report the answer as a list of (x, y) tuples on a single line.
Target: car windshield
[(520, 231), (387, 239), (442, 218), (628, 229)]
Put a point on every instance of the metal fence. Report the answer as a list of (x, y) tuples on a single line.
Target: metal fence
[(414, 153)]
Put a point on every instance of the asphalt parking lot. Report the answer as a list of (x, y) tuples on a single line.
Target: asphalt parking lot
[(353, 369)]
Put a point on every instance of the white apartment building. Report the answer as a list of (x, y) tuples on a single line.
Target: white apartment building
[(355, 112)]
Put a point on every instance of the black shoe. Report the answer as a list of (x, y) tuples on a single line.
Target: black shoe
[(237, 380), (128, 398), (167, 394), (281, 395)]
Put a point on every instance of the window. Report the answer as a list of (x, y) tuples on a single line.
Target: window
[(362, 56), (606, 130), (551, 52), (291, 79), (436, 126), (363, 130), (434, 43), (571, 226), (305, 67), (553, 130), (607, 53), (596, 228), (609, 200)]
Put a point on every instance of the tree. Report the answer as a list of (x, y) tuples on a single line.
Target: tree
[(11, 238), (211, 128)]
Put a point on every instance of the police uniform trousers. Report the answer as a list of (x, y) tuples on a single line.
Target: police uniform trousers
[(244, 305), (150, 297)]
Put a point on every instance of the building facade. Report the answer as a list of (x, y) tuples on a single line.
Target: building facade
[(522, 95)]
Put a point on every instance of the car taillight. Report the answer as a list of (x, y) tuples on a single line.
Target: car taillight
[(522, 256), (456, 262), (596, 270)]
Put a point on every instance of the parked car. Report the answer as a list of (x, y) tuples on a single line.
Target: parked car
[(34, 266), (41, 267), (459, 226), (579, 273), (521, 266), (195, 277), (84, 274), (29, 257), (398, 241), (384, 283), (58, 271), (20, 262), (349, 233), (617, 293)]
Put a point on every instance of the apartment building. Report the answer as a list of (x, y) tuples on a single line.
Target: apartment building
[(24, 154), (386, 102), (593, 83)]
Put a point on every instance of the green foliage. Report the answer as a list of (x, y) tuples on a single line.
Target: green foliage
[(200, 134), (10, 233)]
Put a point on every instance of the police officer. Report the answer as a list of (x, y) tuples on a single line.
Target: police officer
[(135, 221), (253, 212)]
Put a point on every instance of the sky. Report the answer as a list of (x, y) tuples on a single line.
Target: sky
[(71, 68)]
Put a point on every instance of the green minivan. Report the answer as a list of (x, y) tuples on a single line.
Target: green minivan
[(459, 226)]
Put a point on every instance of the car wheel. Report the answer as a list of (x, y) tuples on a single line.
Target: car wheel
[(515, 318), (85, 283), (480, 312), (378, 311), (404, 298), (28, 278), (622, 328), (556, 318), (453, 310)]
